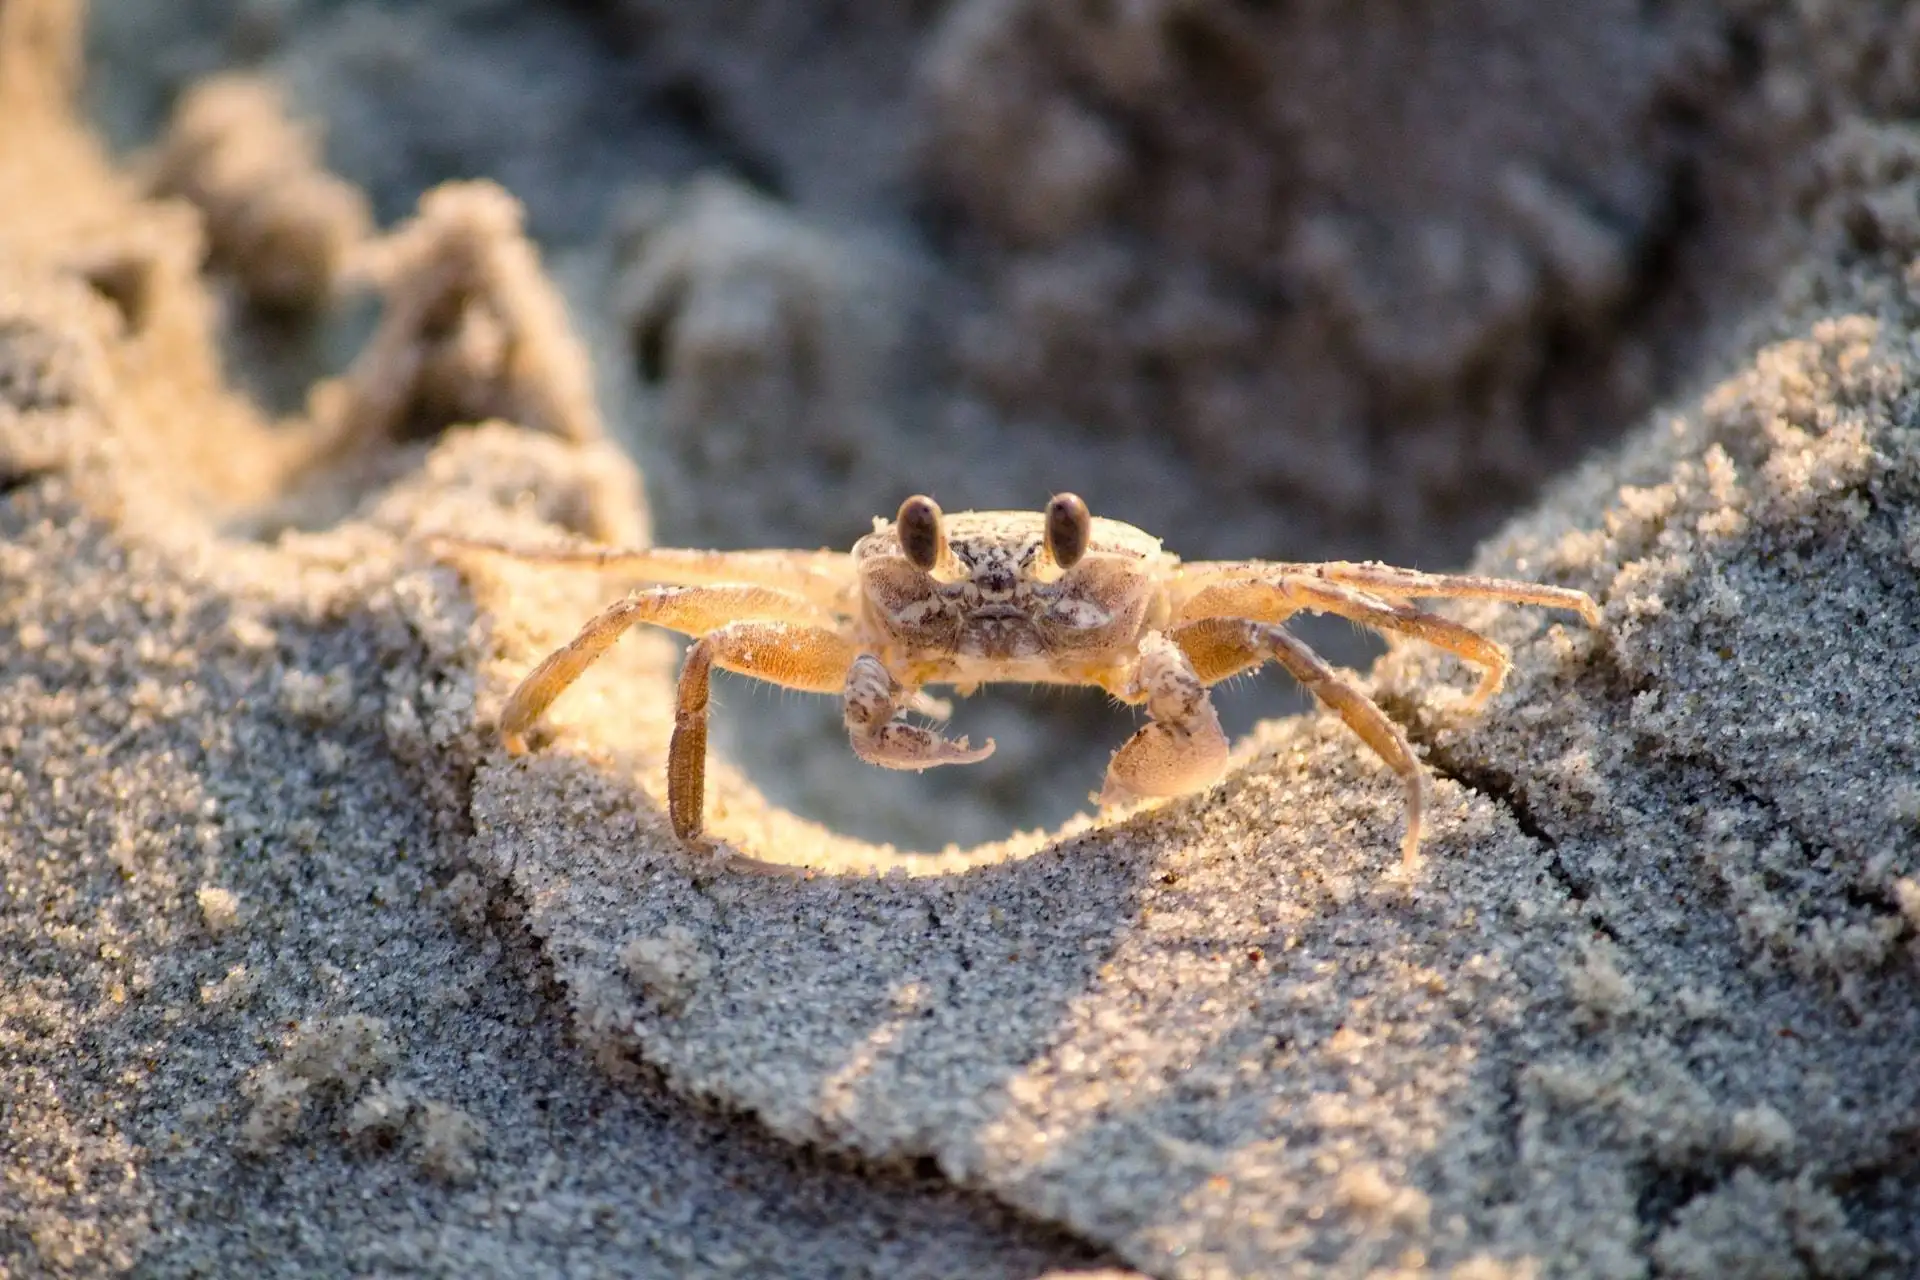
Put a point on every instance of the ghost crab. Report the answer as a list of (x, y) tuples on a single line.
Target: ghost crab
[(1057, 596)]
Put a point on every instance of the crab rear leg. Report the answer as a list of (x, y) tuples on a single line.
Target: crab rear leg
[(1411, 584), (1278, 598), (1221, 647)]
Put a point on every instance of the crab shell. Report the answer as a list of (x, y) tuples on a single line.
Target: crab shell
[(996, 606)]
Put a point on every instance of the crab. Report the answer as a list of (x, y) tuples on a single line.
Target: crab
[(1057, 596)]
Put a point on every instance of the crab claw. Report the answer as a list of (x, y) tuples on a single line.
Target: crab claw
[(906, 746), (873, 697)]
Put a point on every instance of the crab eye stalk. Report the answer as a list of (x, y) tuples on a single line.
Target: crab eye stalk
[(918, 527), (1069, 526)]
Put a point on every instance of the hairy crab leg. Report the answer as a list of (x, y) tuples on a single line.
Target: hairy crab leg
[(825, 578), (1221, 647), (693, 610), (1286, 594), (1410, 583), (809, 658), (1219, 580)]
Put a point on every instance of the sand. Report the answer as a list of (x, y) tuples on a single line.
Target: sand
[(303, 975)]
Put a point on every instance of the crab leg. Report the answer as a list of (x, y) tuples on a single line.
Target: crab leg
[(1280, 597), (813, 659), (1221, 647), (693, 610), (1210, 588), (825, 578), (1411, 583)]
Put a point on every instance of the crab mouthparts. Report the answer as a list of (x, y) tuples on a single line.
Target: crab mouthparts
[(996, 613)]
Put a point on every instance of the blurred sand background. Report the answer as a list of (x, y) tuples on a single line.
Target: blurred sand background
[(301, 976)]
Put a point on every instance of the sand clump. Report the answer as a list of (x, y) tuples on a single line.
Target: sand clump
[(277, 220)]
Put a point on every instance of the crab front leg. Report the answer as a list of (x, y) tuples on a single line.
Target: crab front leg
[(1182, 747), (1221, 647), (693, 610), (757, 631), (813, 659), (873, 700)]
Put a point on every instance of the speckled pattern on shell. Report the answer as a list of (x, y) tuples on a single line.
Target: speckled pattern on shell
[(976, 536)]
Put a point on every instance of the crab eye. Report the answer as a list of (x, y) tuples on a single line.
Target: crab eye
[(918, 527), (1068, 528)]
